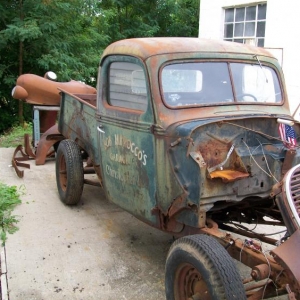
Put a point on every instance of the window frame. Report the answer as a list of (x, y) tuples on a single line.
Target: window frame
[(241, 24), (109, 90), (232, 83)]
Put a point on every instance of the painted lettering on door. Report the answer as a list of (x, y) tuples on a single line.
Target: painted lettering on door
[(121, 141)]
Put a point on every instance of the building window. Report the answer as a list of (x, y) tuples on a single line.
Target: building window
[(246, 24)]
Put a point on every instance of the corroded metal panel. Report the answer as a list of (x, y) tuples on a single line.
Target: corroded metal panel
[(147, 47), (77, 121)]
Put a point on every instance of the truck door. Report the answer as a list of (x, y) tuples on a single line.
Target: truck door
[(125, 140)]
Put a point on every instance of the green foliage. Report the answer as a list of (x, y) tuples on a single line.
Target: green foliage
[(21, 30), (15, 136), (69, 36), (9, 113), (9, 198)]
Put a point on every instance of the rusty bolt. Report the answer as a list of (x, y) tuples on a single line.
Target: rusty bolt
[(254, 275), (260, 272)]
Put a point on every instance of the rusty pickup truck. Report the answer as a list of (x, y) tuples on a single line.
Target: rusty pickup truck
[(194, 137)]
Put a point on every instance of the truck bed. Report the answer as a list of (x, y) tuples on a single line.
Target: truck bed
[(77, 121)]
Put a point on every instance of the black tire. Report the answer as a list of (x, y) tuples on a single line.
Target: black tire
[(198, 267), (69, 172)]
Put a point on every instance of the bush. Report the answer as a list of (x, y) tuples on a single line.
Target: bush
[(14, 136), (9, 198), (9, 114)]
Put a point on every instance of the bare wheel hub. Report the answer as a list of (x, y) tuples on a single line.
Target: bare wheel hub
[(191, 284)]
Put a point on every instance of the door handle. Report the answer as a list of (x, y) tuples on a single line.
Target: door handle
[(100, 130)]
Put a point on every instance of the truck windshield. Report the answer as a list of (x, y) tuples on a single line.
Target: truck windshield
[(209, 83)]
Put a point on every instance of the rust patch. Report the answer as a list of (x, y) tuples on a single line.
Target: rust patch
[(177, 205), (228, 175), (288, 161), (213, 152), (17, 161), (48, 139)]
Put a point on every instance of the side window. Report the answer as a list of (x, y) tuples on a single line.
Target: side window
[(127, 86)]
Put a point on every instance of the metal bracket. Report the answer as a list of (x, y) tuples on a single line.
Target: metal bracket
[(220, 165)]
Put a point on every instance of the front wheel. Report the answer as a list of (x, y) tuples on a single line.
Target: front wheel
[(198, 267), (69, 172)]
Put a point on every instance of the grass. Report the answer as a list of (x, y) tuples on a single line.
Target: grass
[(10, 195), (15, 136), (9, 198)]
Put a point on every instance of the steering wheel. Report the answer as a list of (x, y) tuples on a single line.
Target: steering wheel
[(247, 94)]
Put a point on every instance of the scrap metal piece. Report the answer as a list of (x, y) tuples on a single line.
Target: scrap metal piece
[(290, 293), (288, 161), (287, 255), (198, 158), (28, 149), (35, 89), (228, 175), (260, 272), (16, 161), (220, 165), (47, 140)]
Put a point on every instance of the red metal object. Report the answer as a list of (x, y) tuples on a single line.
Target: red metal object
[(47, 120), (17, 159), (288, 256), (34, 89), (260, 272), (38, 90), (48, 139)]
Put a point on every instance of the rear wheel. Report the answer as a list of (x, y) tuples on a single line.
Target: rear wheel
[(69, 172), (199, 268)]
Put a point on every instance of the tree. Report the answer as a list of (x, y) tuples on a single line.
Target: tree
[(178, 18), (128, 19), (139, 18), (41, 35), (68, 37)]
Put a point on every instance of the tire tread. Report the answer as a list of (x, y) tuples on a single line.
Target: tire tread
[(74, 168), (223, 274)]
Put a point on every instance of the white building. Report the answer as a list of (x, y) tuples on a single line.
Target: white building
[(272, 24)]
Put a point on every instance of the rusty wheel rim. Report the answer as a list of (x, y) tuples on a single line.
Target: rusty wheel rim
[(63, 173), (189, 284)]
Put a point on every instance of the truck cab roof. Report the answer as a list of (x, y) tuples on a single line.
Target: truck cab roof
[(147, 47)]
